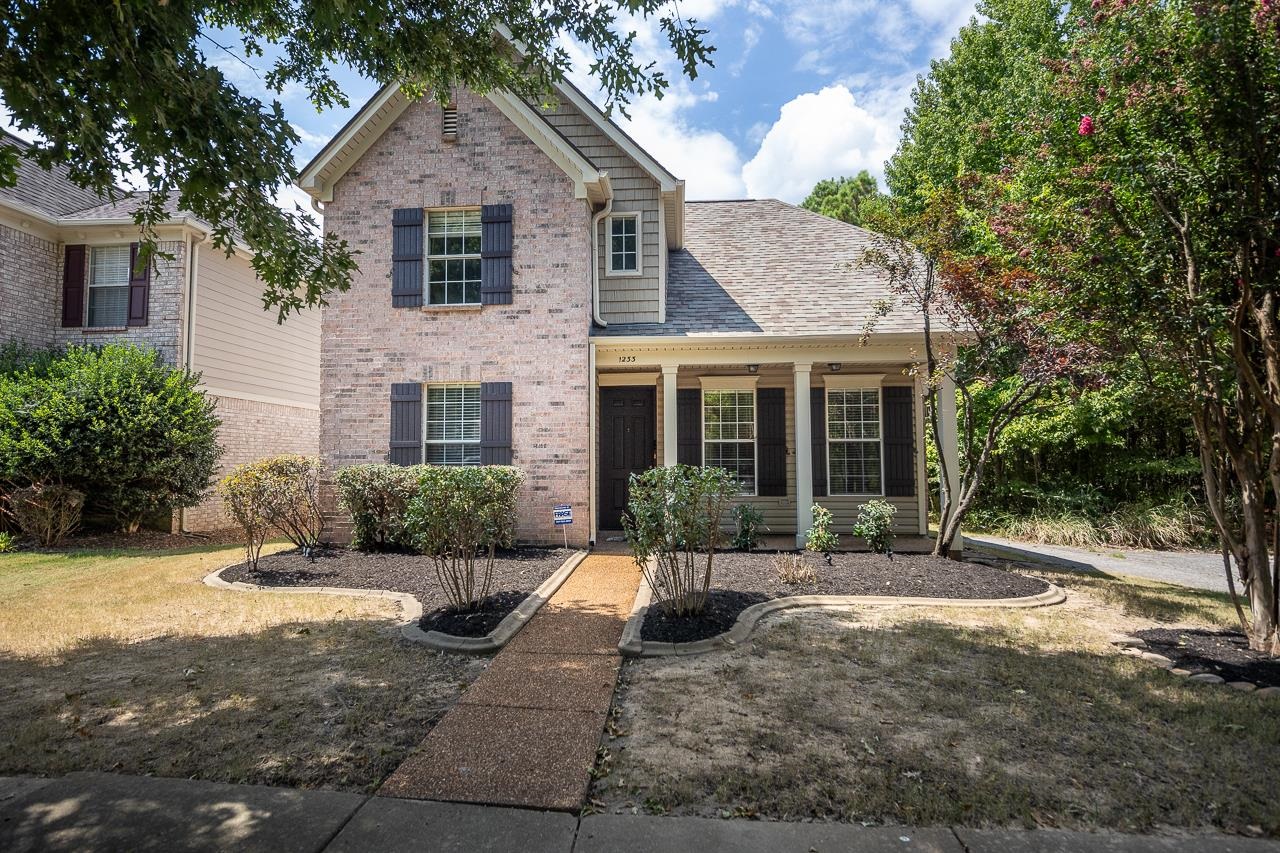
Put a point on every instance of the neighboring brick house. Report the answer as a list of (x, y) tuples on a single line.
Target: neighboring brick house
[(534, 289), (66, 277)]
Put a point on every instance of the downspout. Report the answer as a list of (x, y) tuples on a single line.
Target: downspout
[(595, 259), (591, 443), (188, 344)]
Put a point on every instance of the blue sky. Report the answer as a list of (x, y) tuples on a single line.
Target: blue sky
[(801, 90)]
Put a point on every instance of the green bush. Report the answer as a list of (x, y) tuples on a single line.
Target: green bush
[(748, 522), (47, 513), (820, 538), (673, 520), (875, 524), (459, 517), (377, 496), (8, 542), (136, 437), (279, 493)]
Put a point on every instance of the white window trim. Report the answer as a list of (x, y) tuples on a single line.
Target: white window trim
[(90, 285), (826, 409), (733, 383), (427, 258), (427, 442), (852, 381), (608, 240)]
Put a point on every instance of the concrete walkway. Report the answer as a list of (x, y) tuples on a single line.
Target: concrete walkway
[(99, 812), (1198, 569), (526, 732)]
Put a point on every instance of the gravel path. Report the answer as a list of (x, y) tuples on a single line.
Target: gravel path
[(1198, 569)]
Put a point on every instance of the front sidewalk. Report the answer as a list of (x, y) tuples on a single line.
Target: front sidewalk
[(88, 812)]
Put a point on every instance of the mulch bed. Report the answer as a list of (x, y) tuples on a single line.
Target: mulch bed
[(740, 579), (1223, 653), (516, 573)]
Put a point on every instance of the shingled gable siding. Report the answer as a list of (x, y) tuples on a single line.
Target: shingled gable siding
[(538, 343), (623, 299)]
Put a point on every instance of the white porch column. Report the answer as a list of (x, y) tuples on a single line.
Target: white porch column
[(950, 449), (669, 434), (804, 452)]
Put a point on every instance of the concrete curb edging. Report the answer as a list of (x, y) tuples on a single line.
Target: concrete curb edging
[(632, 646), (1137, 647), (411, 609)]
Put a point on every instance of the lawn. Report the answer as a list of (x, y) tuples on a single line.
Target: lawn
[(978, 718), (124, 661)]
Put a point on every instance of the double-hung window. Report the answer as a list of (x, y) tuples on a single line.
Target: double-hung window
[(108, 286), (453, 257), (624, 244), (453, 424), (729, 433), (854, 451)]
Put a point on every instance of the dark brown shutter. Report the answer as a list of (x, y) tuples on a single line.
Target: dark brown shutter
[(495, 423), (771, 442), (689, 426), (139, 287), (818, 428), (406, 423), (73, 270), (899, 441), (495, 254), (407, 280)]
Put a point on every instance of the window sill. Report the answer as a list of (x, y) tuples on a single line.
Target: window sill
[(624, 274), (452, 309), (104, 330)]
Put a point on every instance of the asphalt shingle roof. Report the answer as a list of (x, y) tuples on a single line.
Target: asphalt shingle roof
[(762, 266), (50, 192)]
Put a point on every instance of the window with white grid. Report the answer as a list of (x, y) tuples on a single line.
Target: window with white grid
[(453, 257), (853, 441), (108, 286), (729, 434), (624, 243), (453, 424)]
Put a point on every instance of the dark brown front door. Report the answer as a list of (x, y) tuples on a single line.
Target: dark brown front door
[(628, 445)]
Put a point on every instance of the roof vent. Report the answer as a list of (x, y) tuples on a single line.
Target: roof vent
[(449, 122)]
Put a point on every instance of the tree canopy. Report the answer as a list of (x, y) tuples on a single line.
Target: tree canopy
[(133, 87), (841, 198)]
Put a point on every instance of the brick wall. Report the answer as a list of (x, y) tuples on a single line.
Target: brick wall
[(30, 287), (539, 343), (250, 431)]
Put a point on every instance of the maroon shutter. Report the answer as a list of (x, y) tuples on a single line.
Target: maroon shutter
[(73, 270), (771, 442), (139, 287), (406, 423), (899, 441), (818, 429), (407, 280), (495, 423), (495, 254)]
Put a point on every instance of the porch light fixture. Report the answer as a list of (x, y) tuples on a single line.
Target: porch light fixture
[(835, 366), (753, 368)]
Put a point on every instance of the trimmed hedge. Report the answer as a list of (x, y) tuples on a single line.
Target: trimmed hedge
[(377, 497), (279, 493)]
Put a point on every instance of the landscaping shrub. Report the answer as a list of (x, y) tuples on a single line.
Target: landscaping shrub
[(47, 513), (875, 524), (793, 570), (135, 436), (673, 519), (749, 521), (1177, 524), (820, 538), (279, 493), (8, 542), (377, 496), (459, 516)]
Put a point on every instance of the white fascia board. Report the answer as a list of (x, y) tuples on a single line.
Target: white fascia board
[(309, 180), (587, 179)]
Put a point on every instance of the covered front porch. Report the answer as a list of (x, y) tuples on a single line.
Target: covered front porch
[(857, 434)]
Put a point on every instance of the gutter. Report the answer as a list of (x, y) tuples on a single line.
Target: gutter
[(595, 252)]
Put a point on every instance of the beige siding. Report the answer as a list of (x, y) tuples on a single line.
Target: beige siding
[(632, 298), (239, 348)]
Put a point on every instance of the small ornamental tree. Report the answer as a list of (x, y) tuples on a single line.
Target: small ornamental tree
[(673, 527), (279, 493), (821, 538), (459, 517), (875, 525)]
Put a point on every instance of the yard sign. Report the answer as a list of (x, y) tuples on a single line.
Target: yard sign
[(562, 515)]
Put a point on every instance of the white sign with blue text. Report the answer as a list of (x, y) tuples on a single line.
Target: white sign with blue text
[(563, 514)]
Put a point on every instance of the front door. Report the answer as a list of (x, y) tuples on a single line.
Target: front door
[(628, 445)]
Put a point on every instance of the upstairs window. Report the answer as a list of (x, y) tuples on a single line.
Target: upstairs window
[(453, 424), (108, 286), (729, 434), (853, 441), (453, 257), (624, 244)]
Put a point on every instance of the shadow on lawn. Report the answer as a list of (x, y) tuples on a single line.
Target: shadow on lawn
[(929, 723), (1149, 599), (335, 704)]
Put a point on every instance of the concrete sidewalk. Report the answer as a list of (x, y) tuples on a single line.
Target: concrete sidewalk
[(98, 812)]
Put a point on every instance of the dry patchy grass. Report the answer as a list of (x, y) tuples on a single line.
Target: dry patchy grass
[(125, 661), (979, 718)]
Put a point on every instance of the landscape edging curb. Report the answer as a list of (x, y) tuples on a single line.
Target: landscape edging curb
[(1137, 647), (632, 646), (411, 608)]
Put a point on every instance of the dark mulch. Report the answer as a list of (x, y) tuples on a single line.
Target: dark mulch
[(516, 573), (741, 579), (1224, 653)]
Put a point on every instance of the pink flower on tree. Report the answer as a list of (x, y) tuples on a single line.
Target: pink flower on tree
[(1086, 126)]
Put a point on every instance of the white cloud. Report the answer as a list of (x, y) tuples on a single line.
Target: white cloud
[(819, 135)]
